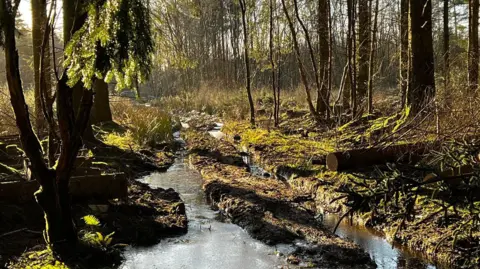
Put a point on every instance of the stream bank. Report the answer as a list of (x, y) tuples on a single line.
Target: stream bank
[(142, 218), (294, 158), (268, 209)]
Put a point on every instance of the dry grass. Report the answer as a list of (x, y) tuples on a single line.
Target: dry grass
[(146, 126), (7, 117)]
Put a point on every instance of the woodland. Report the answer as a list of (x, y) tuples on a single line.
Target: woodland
[(345, 130)]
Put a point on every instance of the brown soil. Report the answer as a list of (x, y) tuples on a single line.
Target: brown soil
[(426, 233), (269, 209), (143, 219)]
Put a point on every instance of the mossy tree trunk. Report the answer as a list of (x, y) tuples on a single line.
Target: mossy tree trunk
[(53, 195), (421, 88)]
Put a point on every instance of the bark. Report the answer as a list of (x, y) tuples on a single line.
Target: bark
[(321, 99), (82, 188), (364, 26), (473, 53), (404, 51), (39, 19), (101, 107), (446, 47), (372, 58), (360, 158), (324, 54), (51, 195), (248, 83), (303, 73), (272, 63), (422, 82), (351, 52)]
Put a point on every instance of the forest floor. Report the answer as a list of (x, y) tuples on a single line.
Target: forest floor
[(143, 218), (297, 187)]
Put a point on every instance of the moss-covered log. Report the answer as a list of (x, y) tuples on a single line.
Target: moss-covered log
[(81, 188), (358, 158)]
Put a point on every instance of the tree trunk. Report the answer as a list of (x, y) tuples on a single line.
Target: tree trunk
[(422, 87), (351, 52), (446, 51), (39, 20), (101, 107), (321, 99), (272, 62), (364, 26), (53, 193), (324, 50), (404, 51), (473, 52), (372, 58), (303, 73), (248, 83)]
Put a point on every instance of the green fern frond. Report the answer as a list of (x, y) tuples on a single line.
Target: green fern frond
[(91, 220)]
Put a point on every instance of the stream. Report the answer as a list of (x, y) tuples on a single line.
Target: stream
[(381, 251), (212, 243), (209, 243)]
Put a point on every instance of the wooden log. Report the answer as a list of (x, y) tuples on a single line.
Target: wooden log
[(81, 188), (452, 177), (358, 158)]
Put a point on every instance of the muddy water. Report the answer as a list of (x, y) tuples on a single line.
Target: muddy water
[(383, 253), (209, 243)]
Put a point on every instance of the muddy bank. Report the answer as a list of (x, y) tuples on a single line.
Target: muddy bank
[(143, 218), (441, 241), (269, 209)]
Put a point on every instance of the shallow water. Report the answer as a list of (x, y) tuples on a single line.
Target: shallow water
[(382, 252), (209, 242)]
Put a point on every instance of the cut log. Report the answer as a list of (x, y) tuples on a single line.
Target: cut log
[(81, 188), (452, 177), (359, 158)]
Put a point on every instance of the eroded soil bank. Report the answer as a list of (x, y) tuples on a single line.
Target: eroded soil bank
[(294, 157), (143, 218), (268, 209)]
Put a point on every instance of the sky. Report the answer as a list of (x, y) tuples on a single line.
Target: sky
[(26, 12)]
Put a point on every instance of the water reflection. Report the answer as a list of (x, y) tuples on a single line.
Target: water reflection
[(382, 252), (209, 243)]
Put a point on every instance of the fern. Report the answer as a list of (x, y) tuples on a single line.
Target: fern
[(91, 220)]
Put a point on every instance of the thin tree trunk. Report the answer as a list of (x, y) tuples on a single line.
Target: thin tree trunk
[(473, 53), (303, 73), (323, 100), (39, 17), (422, 87), (272, 62), (404, 57), (446, 49), (351, 56), (372, 58), (364, 26), (243, 8)]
